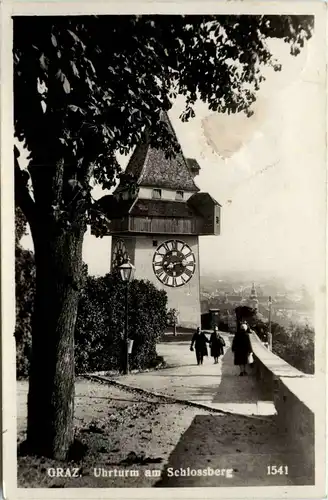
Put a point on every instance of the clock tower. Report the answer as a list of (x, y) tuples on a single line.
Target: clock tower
[(158, 225)]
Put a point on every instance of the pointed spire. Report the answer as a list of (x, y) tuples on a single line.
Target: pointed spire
[(253, 300), (151, 168), (253, 294)]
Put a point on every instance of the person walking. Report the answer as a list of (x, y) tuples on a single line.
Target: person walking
[(242, 348), (200, 340), (217, 343)]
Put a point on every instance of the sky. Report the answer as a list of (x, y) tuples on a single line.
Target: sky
[(267, 172)]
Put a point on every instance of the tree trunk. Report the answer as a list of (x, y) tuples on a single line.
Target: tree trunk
[(58, 259)]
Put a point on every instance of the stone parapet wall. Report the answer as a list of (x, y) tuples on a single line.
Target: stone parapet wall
[(296, 421), (294, 397)]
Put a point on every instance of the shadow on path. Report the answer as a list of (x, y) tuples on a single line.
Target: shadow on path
[(241, 445), (217, 386), (236, 389), (245, 443)]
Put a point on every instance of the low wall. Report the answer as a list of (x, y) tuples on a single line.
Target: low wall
[(294, 397)]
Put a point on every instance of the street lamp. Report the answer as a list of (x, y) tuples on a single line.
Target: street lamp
[(127, 274)]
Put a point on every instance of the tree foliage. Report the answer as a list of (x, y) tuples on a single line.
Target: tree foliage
[(25, 290), (172, 316), (246, 313), (100, 324), (295, 345), (89, 87)]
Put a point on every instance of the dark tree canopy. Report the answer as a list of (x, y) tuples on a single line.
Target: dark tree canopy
[(86, 87)]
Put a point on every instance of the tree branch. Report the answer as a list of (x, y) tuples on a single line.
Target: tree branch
[(22, 196)]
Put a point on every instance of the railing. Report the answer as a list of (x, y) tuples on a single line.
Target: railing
[(161, 225), (165, 225)]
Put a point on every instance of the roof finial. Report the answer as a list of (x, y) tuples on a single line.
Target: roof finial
[(253, 291)]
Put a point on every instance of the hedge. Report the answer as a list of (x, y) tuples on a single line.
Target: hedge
[(100, 324), (25, 290), (100, 320)]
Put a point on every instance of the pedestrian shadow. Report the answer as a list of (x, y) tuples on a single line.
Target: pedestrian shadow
[(231, 450)]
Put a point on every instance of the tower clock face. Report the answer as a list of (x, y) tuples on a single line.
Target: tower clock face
[(119, 254), (174, 263)]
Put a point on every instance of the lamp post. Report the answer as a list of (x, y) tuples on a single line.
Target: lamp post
[(127, 274), (173, 320)]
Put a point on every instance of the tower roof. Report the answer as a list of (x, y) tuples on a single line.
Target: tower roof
[(151, 168)]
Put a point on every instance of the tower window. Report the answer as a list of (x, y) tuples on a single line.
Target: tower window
[(157, 194), (217, 220), (179, 195)]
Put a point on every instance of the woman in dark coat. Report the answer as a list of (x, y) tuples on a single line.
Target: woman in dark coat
[(199, 339), (242, 348), (216, 343)]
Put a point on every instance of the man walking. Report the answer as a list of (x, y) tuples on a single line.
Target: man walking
[(199, 339)]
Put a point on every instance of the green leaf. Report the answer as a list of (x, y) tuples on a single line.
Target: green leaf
[(60, 75), (76, 38), (93, 69), (66, 85), (74, 108), (74, 69), (43, 62), (54, 40)]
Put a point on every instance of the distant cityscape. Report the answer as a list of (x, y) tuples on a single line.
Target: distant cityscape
[(288, 305)]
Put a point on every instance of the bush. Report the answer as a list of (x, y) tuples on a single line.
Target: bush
[(100, 320), (25, 290), (295, 345), (100, 324)]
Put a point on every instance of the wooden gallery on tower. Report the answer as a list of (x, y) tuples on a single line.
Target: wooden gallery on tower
[(158, 228)]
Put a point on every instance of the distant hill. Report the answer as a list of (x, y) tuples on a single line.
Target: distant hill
[(238, 281)]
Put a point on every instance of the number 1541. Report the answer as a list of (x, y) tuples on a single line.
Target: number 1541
[(273, 470)]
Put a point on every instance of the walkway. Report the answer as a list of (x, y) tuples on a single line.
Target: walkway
[(241, 443), (246, 440), (216, 386)]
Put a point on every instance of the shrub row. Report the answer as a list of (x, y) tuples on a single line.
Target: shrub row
[(99, 330), (100, 324)]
